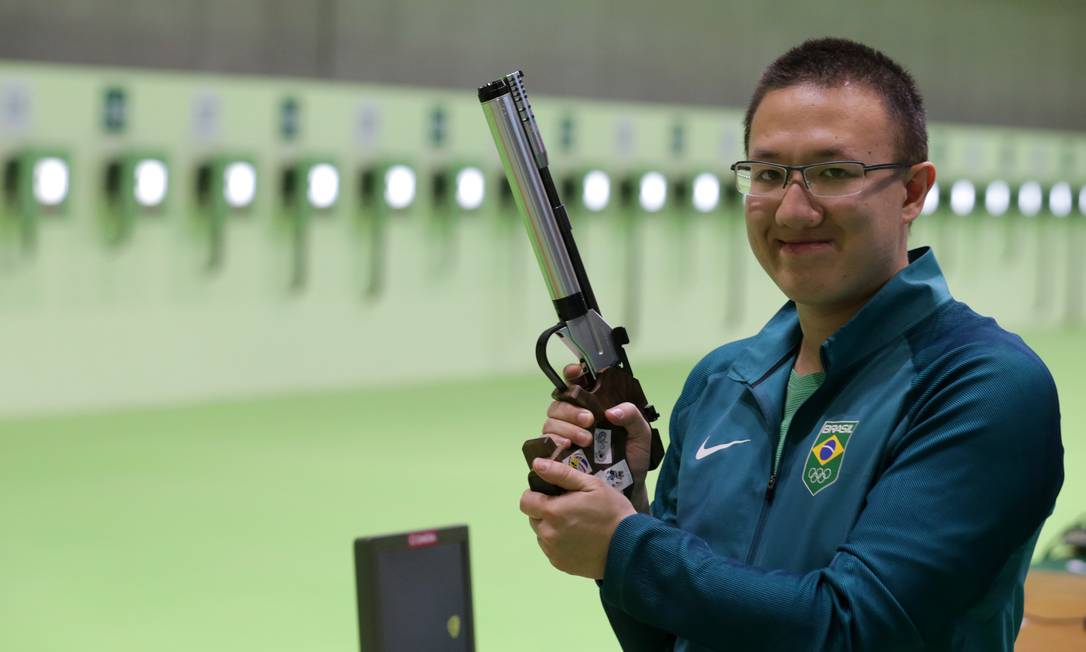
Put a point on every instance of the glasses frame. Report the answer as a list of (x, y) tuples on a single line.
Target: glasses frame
[(802, 169)]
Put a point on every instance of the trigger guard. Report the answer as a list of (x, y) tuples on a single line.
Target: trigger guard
[(541, 356)]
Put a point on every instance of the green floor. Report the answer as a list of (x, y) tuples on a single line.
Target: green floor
[(229, 526)]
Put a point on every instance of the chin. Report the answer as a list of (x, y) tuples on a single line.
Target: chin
[(806, 290), (811, 295)]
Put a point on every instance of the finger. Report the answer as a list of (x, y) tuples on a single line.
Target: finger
[(535, 523), (570, 413), (571, 371), (629, 417), (560, 442), (531, 503), (562, 475), (567, 430)]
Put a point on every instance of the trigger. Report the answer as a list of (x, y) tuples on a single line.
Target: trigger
[(585, 379)]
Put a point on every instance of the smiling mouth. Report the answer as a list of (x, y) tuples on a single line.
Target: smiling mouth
[(804, 247)]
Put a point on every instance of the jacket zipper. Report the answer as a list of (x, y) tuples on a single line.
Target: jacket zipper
[(768, 497), (771, 485), (770, 488)]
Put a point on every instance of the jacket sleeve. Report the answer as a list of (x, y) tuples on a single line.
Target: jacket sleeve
[(971, 480), (635, 635)]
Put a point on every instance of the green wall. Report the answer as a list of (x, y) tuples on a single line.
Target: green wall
[(429, 292)]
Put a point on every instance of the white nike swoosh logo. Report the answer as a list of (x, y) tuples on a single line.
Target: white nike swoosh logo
[(706, 452)]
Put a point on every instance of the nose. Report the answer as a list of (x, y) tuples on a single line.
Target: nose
[(797, 208)]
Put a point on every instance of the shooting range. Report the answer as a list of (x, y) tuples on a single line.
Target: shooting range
[(264, 289)]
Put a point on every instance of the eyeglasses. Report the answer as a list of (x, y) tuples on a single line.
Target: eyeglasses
[(829, 179)]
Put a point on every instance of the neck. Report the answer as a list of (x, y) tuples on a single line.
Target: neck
[(817, 324), (819, 321)]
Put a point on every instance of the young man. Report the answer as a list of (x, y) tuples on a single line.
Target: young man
[(871, 470)]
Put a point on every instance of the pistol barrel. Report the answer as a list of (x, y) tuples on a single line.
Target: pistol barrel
[(513, 129)]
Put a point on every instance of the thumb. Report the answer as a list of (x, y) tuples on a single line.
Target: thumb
[(562, 475), (629, 417)]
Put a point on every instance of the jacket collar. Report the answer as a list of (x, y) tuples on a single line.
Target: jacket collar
[(909, 297)]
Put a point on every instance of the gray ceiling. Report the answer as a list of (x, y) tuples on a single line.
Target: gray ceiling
[(992, 62)]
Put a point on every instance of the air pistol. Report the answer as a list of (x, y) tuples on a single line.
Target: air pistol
[(607, 378)]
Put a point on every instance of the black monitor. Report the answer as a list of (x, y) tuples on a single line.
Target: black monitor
[(414, 591)]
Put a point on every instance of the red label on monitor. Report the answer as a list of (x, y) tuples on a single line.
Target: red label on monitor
[(420, 539)]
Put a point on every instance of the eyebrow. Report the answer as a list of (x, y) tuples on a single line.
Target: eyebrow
[(826, 154)]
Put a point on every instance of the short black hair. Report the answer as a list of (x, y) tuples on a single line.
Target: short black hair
[(829, 63)]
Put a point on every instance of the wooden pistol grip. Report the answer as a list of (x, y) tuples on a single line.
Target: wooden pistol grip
[(587, 462), (613, 385)]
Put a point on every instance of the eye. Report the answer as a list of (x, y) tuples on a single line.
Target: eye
[(837, 173), (767, 175)]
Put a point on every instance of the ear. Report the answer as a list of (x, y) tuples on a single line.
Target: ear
[(919, 180)]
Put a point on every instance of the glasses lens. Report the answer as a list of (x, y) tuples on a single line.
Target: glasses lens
[(742, 178), (835, 179), (759, 178)]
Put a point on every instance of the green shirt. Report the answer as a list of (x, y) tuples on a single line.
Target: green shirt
[(799, 390)]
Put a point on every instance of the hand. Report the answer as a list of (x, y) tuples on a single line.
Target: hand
[(567, 423), (575, 529)]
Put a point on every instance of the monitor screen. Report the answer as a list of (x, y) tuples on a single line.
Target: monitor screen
[(414, 591)]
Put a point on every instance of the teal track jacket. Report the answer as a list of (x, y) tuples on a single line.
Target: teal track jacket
[(904, 511)]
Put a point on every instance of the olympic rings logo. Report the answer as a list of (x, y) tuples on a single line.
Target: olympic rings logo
[(818, 476)]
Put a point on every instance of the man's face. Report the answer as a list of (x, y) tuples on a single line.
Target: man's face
[(830, 252)]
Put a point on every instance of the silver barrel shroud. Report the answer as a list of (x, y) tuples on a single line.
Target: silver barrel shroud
[(519, 160), (520, 146)]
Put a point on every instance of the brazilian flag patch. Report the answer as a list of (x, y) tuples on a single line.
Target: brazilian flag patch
[(827, 455)]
